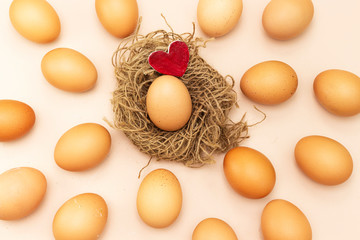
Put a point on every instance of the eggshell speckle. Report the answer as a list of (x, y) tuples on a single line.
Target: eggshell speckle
[(338, 91), (21, 192), (82, 147), (284, 19), (168, 103), (218, 17), (119, 17), (282, 220), (16, 119), (213, 229), (69, 70), (82, 217), (269, 82), (323, 159), (35, 20), (249, 172), (159, 199)]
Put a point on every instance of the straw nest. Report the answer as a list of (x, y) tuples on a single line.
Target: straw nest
[(209, 129)]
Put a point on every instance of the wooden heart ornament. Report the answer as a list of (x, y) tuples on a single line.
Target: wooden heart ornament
[(174, 62)]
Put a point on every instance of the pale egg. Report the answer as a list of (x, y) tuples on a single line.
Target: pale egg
[(338, 91), (282, 220), (168, 103), (213, 229), (269, 82), (82, 147), (159, 198), (249, 172), (35, 20), (119, 17), (323, 159), (16, 119), (82, 217), (69, 70), (21, 192), (284, 19), (218, 17)]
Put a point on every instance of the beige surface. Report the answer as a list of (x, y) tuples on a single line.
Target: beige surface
[(332, 41)]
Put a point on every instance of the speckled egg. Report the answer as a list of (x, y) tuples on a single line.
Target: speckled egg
[(159, 198), (21, 192), (218, 17), (82, 217), (269, 82)]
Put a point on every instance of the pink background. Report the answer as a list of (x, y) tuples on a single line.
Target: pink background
[(331, 41)]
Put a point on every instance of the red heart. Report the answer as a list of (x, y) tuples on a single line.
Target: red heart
[(173, 63)]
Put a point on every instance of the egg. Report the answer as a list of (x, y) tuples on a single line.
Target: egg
[(284, 19), (21, 192), (16, 119), (323, 159), (249, 172), (269, 82), (168, 103), (82, 147), (68, 70), (213, 229), (159, 198), (218, 17), (338, 91), (119, 17), (35, 20), (82, 217), (282, 220)]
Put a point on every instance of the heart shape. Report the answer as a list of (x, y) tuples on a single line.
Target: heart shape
[(174, 62)]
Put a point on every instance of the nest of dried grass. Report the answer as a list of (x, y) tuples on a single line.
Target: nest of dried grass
[(209, 130)]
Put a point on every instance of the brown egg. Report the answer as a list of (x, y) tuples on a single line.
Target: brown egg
[(16, 119), (21, 192), (218, 17), (323, 159), (82, 147), (159, 198), (338, 91), (284, 19), (69, 70), (119, 17), (35, 20), (282, 220), (168, 103), (249, 172), (82, 217), (213, 229), (269, 82)]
